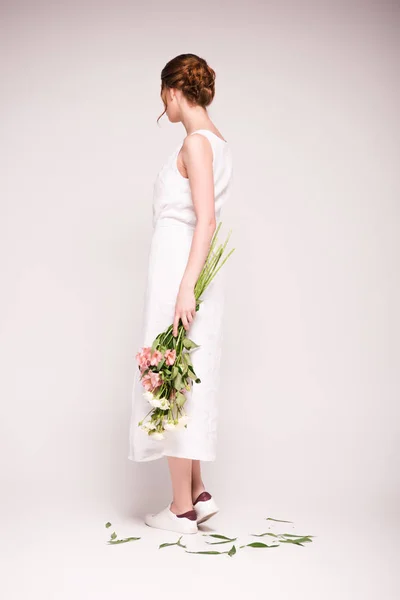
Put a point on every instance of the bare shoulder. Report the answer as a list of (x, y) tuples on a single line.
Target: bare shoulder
[(197, 145)]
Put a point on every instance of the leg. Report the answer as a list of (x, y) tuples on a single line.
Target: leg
[(179, 515), (181, 478), (206, 507), (197, 482)]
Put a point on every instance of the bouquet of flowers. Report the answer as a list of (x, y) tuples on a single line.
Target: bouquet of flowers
[(166, 368)]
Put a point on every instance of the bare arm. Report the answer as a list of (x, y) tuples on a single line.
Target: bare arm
[(197, 156)]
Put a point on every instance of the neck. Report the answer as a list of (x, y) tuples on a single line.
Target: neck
[(197, 118)]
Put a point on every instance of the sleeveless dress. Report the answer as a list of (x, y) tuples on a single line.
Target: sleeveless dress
[(174, 220)]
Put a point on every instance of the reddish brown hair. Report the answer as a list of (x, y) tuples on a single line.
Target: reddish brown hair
[(192, 75)]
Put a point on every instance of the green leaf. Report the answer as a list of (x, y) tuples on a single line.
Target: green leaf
[(277, 520), (184, 370), (223, 542), (293, 535), (260, 545), (291, 542), (178, 543), (262, 534), (192, 373), (113, 535), (108, 525), (166, 545), (124, 541), (205, 552), (298, 541), (232, 551), (187, 358), (166, 374), (189, 344), (177, 382), (220, 537), (180, 399)]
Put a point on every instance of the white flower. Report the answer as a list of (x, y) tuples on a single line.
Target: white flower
[(148, 396), (157, 435), (149, 426), (155, 402), (169, 426), (164, 403)]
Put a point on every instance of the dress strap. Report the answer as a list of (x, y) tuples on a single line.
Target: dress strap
[(211, 132)]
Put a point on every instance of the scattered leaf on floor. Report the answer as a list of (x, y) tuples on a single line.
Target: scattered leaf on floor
[(124, 541), (277, 520), (222, 542), (178, 543), (205, 552), (299, 541), (219, 537), (293, 535), (259, 545)]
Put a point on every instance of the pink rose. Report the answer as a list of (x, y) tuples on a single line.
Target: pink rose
[(156, 357), (146, 382), (155, 379), (143, 358), (170, 356), (151, 380)]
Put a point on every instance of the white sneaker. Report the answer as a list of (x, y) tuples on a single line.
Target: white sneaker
[(205, 507), (166, 519)]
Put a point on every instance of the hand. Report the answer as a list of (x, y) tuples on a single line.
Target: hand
[(185, 308)]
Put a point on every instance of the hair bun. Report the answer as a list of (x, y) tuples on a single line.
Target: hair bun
[(192, 75), (199, 82)]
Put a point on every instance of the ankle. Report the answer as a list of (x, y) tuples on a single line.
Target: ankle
[(197, 490), (180, 509)]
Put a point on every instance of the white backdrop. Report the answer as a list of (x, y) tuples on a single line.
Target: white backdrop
[(307, 96)]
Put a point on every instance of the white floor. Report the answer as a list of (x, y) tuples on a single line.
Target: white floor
[(64, 555)]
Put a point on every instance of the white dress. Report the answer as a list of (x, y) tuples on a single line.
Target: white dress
[(174, 220)]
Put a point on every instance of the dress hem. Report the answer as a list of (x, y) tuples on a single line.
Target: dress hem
[(174, 455)]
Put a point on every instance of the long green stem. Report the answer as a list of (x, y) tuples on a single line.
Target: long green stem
[(213, 263), (218, 268)]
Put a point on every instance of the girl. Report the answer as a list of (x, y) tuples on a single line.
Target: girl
[(189, 192)]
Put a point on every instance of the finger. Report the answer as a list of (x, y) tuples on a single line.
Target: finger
[(189, 316), (185, 321), (175, 325)]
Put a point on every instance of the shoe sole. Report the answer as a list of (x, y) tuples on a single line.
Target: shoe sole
[(206, 517), (166, 528), (174, 530), (206, 509)]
